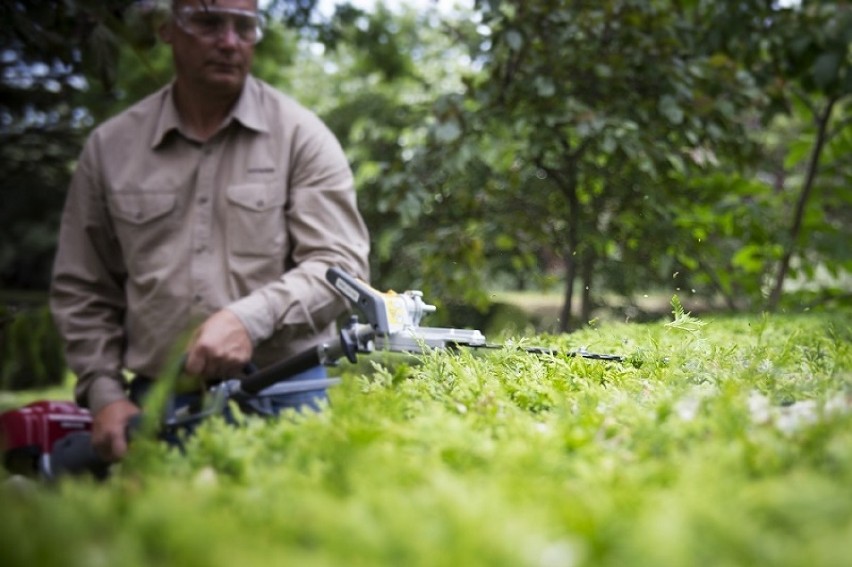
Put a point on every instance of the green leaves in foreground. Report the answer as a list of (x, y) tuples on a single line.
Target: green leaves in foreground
[(723, 443)]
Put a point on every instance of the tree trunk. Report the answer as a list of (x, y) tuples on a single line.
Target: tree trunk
[(565, 320), (586, 276), (798, 215)]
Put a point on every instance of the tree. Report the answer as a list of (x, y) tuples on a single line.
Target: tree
[(41, 129), (590, 115), (375, 78), (811, 51), (798, 57)]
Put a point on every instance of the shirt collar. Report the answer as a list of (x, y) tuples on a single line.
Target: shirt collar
[(168, 119), (247, 111), (248, 108)]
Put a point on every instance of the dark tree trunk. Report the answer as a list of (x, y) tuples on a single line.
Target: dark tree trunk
[(565, 322), (586, 276), (798, 215)]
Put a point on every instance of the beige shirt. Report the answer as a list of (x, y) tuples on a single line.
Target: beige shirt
[(159, 231)]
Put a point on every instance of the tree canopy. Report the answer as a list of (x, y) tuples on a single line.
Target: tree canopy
[(610, 146)]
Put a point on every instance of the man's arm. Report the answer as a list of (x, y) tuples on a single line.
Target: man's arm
[(325, 229), (87, 299)]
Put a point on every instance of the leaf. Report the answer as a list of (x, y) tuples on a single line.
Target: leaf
[(676, 162), (515, 40), (750, 258), (544, 86), (447, 131), (669, 108), (798, 151), (504, 242), (683, 321), (825, 69)]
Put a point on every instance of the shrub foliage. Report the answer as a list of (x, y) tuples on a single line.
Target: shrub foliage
[(721, 441), (30, 348)]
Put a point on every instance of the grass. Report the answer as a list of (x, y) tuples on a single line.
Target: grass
[(541, 310), (721, 441), (15, 398)]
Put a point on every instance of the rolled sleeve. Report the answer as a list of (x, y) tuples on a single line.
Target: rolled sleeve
[(326, 230), (86, 296), (100, 392)]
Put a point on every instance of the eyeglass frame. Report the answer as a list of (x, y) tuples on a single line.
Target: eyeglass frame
[(181, 14)]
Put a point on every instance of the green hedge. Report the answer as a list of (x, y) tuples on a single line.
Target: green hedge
[(725, 441)]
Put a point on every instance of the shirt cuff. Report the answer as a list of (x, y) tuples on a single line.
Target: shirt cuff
[(104, 391), (255, 314)]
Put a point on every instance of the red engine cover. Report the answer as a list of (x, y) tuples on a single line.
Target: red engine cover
[(41, 424)]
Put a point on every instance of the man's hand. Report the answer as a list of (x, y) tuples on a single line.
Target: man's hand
[(109, 429), (220, 348)]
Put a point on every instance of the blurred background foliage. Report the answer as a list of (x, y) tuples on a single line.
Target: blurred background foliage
[(599, 151)]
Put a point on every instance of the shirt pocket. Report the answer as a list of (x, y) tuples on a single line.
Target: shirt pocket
[(145, 226), (256, 219)]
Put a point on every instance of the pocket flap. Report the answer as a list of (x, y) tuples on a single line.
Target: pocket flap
[(138, 207), (255, 196)]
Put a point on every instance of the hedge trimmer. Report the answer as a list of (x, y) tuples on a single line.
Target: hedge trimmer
[(50, 439), (392, 325)]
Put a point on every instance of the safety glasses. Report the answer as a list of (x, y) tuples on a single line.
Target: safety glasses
[(212, 22)]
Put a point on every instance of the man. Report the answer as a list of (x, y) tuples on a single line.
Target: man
[(216, 204)]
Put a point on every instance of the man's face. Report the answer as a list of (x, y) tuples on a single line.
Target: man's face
[(213, 43)]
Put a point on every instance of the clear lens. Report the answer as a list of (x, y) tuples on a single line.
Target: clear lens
[(210, 23)]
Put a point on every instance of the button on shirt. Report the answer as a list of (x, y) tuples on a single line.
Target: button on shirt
[(160, 230)]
